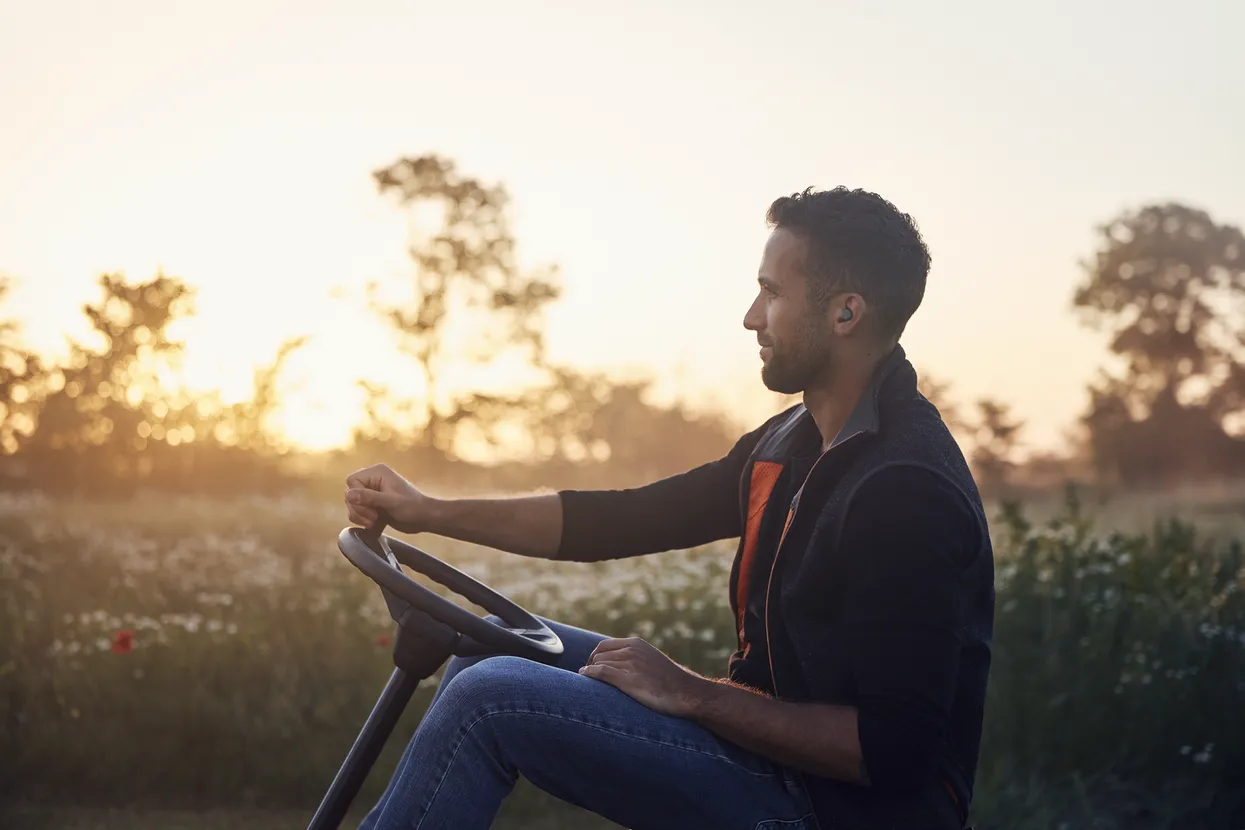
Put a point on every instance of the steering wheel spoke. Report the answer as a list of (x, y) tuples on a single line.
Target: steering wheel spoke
[(522, 635)]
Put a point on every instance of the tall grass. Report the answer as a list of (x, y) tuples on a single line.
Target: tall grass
[(193, 653)]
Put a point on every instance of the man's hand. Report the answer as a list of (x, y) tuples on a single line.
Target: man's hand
[(380, 488), (641, 671)]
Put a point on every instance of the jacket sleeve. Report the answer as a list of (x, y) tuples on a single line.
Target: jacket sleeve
[(682, 511), (908, 536)]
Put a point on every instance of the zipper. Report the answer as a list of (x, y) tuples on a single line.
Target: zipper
[(769, 651)]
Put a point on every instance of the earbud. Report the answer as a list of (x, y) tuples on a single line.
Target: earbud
[(845, 315)]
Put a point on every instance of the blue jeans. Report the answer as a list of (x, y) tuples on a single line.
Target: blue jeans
[(493, 719)]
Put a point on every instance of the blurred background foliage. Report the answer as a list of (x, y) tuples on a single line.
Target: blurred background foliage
[(178, 630), (1166, 283)]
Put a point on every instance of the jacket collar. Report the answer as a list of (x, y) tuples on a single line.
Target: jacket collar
[(797, 434), (864, 418)]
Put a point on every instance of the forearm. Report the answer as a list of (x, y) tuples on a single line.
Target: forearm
[(817, 738), (675, 513), (525, 525)]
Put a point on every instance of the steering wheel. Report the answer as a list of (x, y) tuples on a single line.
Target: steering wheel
[(378, 556)]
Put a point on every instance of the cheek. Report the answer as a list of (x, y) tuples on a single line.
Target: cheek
[(776, 321)]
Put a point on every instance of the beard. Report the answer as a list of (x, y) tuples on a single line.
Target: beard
[(795, 363)]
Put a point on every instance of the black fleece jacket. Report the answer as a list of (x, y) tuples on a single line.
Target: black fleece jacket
[(887, 605)]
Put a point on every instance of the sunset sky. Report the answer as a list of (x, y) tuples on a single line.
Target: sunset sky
[(231, 144)]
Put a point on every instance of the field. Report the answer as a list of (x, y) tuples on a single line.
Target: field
[(190, 663)]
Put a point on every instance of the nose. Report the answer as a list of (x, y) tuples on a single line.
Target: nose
[(754, 318)]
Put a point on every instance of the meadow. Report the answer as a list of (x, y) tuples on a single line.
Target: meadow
[(200, 663)]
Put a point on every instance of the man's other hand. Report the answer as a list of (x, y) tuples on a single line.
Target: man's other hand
[(643, 672)]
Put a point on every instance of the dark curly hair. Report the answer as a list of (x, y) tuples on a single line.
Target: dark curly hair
[(858, 242)]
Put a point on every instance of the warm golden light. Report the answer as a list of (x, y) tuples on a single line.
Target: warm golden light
[(243, 167)]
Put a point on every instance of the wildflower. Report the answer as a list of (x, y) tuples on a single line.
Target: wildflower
[(123, 641), (383, 639)]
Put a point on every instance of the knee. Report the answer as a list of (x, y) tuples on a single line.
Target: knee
[(491, 683)]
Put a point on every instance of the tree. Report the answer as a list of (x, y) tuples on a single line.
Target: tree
[(466, 280), (106, 402), (21, 376), (588, 418), (245, 425), (995, 441), (938, 392), (1167, 284), (468, 288)]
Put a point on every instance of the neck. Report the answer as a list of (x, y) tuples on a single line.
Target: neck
[(830, 401)]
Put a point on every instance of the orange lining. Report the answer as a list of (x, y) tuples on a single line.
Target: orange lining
[(760, 487), (958, 807)]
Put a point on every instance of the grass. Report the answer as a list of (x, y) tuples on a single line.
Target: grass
[(78, 818), (1117, 695), (554, 816)]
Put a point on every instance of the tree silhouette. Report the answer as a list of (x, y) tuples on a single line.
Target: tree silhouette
[(21, 378), (465, 278), (469, 289), (106, 402), (995, 439), (938, 392), (1168, 285), (246, 425)]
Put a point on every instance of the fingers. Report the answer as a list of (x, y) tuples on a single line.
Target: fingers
[(621, 662), (369, 478), (372, 491), (362, 516), (603, 671), (614, 644), (372, 500)]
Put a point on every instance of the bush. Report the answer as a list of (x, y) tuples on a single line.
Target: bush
[(194, 653)]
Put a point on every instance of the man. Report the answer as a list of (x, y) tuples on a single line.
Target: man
[(862, 590)]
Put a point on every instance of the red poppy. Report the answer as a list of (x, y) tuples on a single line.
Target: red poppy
[(123, 641), (383, 640)]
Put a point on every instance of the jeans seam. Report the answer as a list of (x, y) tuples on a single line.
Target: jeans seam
[(656, 741), (488, 714)]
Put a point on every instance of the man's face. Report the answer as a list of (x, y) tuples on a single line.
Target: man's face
[(794, 335)]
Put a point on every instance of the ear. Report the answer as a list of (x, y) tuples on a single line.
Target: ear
[(846, 312)]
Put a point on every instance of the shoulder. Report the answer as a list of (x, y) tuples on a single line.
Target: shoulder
[(896, 479), (913, 506)]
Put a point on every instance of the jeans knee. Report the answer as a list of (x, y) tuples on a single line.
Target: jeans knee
[(488, 682)]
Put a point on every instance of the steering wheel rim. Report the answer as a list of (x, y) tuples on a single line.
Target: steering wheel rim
[(378, 556)]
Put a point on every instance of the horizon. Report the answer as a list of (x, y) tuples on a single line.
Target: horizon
[(233, 148)]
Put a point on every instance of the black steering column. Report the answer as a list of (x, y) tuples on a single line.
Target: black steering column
[(430, 630)]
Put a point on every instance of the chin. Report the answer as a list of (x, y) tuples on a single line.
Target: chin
[(777, 383)]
